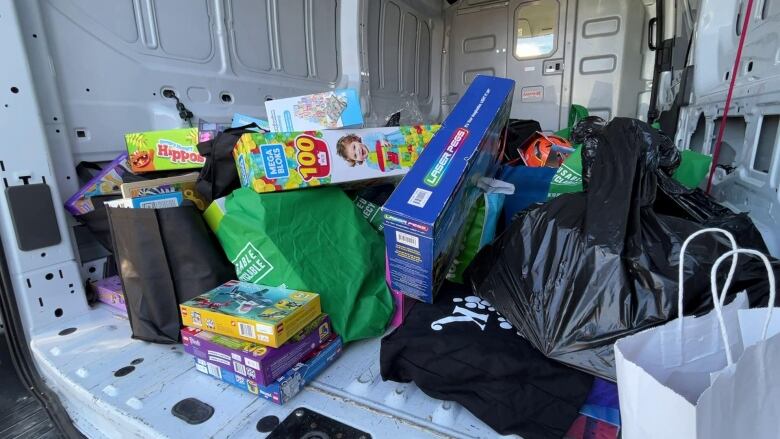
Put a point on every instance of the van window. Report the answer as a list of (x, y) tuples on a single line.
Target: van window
[(536, 24)]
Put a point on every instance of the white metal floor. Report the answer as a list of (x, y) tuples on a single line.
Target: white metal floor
[(80, 366)]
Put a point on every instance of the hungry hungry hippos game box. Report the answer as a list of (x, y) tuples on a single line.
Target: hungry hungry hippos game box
[(257, 362), (164, 150), (269, 162), (286, 386), (262, 314), (425, 214)]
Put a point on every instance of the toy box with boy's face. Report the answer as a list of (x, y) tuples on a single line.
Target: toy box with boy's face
[(269, 162), (164, 150), (286, 386), (257, 313), (424, 216), (260, 363)]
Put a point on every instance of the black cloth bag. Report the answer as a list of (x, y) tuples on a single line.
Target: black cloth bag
[(219, 176), (164, 257), (460, 349), (517, 132), (585, 269)]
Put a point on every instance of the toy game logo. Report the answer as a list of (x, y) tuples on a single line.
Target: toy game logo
[(312, 157), (274, 161), (176, 153), (434, 176)]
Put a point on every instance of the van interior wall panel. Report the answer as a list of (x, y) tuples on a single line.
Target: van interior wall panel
[(219, 57), (608, 57), (404, 42), (750, 150)]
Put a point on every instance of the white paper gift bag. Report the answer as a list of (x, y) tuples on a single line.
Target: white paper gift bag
[(704, 377)]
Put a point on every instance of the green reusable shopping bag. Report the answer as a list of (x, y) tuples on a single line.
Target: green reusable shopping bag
[(312, 240), (694, 167), (568, 178)]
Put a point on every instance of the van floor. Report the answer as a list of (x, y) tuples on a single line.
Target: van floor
[(21, 414), (80, 357)]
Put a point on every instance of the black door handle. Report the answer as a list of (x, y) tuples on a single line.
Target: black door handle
[(651, 28)]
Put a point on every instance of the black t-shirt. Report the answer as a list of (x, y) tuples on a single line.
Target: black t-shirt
[(460, 349)]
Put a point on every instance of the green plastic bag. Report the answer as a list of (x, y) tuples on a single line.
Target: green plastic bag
[(312, 240), (694, 167), (568, 178)]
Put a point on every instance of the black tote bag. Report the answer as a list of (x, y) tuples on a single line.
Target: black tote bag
[(219, 176), (164, 257)]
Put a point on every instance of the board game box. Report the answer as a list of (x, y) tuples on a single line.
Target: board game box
[(164, 150), (262, 314), (254, 361), (286, 386), (105, 182), (109, 291), (269, 162), (209, 130), (180, 183), (320, 111), (424, 216)]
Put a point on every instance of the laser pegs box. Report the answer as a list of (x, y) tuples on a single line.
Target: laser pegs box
[(424, 216)]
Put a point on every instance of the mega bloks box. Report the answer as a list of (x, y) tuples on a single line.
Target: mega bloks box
[(319, 111), (262, 314), (269, 162), (286, 386), (254, 361), (425, 214), (109, 291), (164, 150)]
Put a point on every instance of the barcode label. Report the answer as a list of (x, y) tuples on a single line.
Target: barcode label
[(239, 368), (159, 204), (246, 330), (420, 197), (405, 238), (201, 366), (252, 363), (214, 370)]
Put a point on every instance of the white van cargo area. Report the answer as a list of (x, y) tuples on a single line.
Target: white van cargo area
[(78, 74)]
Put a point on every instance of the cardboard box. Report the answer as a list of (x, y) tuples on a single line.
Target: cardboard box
[(210, 130), (105, 182), (164, 150), (256, 362), (240, 120), (269, 162), (180, 183), (286, 386), (425, 214), (262, 314), (320, 111), (109, 291)]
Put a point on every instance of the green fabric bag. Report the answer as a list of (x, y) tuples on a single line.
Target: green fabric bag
[(568, 178), (694, 167), (312, 240)]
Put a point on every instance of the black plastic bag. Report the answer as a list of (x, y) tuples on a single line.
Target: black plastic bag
[(459, 349), (517, 132), (585, 269), (219, 176), (164, 257)]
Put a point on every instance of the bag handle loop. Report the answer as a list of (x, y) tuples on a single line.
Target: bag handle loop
[(718, 302), (681, 269)]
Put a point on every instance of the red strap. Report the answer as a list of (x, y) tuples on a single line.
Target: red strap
[(734, 72)]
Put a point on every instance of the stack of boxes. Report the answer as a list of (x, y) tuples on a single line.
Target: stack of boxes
[(269, 341)]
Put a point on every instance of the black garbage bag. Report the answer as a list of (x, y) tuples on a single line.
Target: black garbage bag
[(459, 349), (585, 269)]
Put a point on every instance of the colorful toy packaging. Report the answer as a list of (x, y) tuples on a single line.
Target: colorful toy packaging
[(109, 291), (164, 150), (209, 130), (257, 362), (286, 386), (269, 162), (106, 182), (185, 184), (240, 120), (266, 315), (424, 216), (321, 111)]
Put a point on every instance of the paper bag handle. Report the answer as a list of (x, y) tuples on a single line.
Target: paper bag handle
[(718, 301), (682, 267)]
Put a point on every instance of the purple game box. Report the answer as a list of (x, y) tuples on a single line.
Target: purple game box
[(260, 363), (109, 291)]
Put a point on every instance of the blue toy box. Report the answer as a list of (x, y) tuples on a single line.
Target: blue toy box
[(425, 214)]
